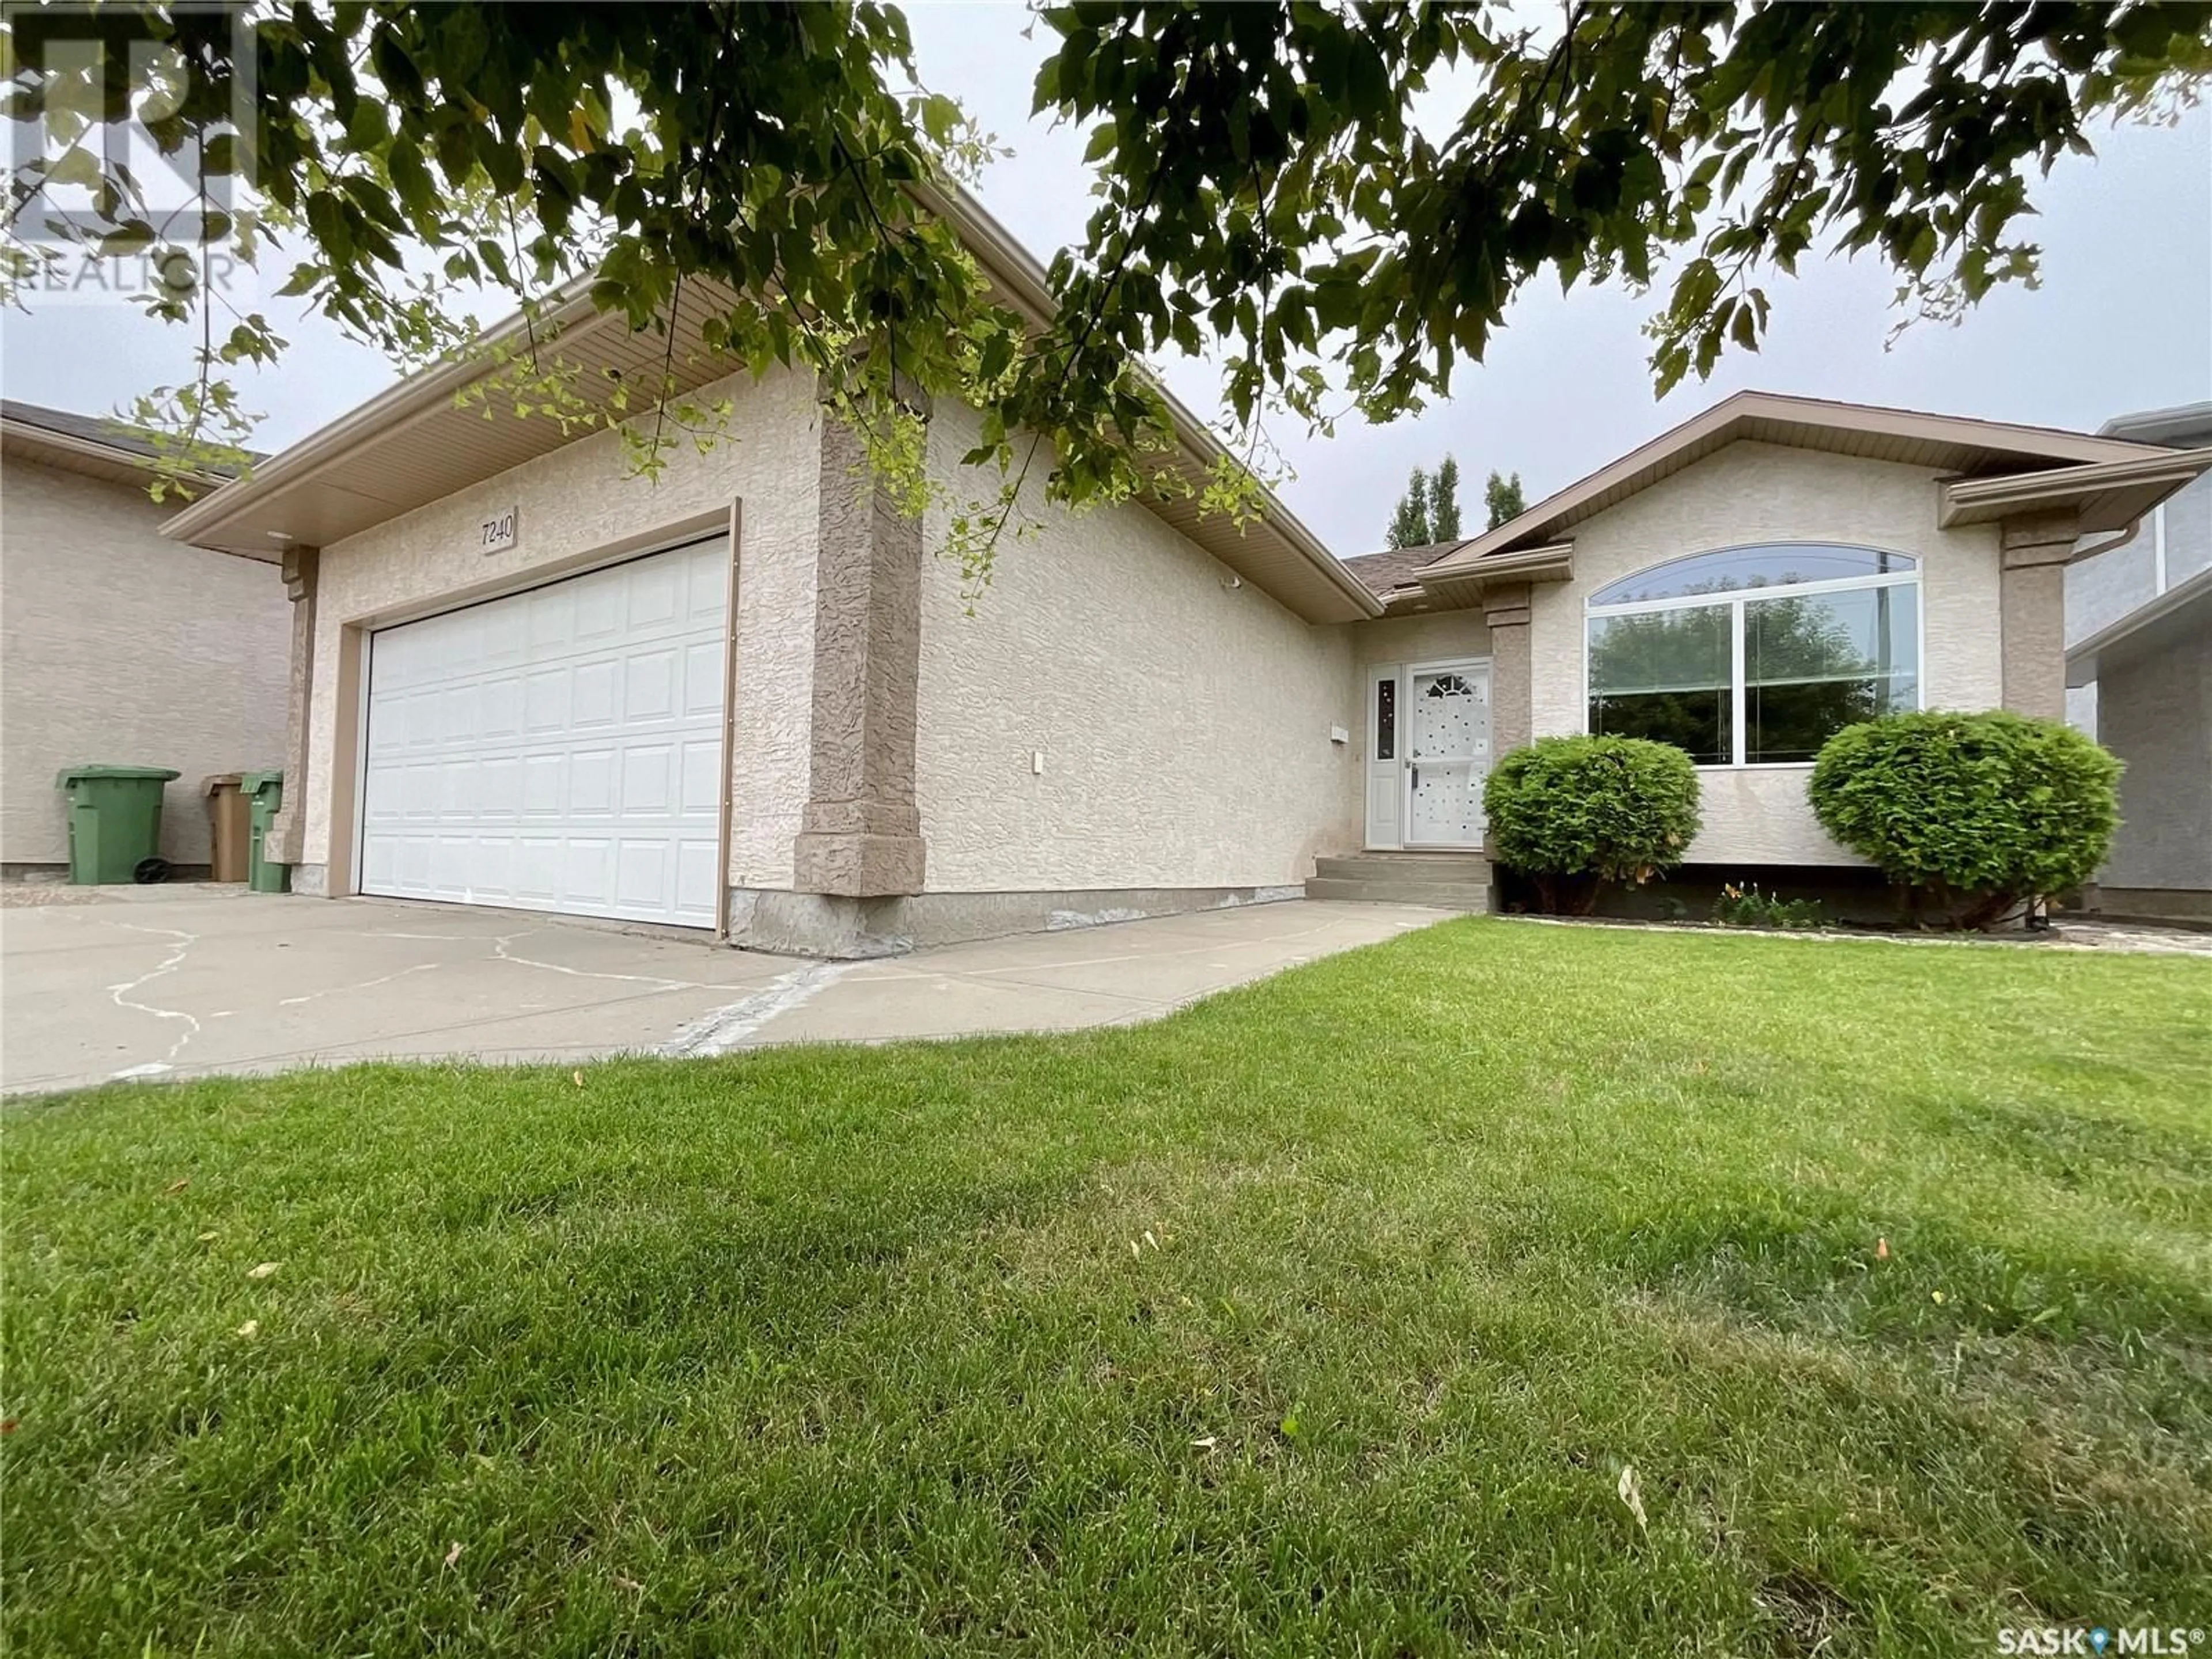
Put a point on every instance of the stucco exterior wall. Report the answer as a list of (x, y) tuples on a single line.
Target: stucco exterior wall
[(122, 647), (2154, 711), (1430, 637), (579, 500), (1753, 492), (1184, 724)]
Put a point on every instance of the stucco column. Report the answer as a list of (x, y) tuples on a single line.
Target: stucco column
[(1505, 609), (302, 567), (2031, 611), (861, 834)]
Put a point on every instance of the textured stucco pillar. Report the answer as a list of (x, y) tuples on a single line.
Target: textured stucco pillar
[(302, 567), (2032, 607), (861, 834), (1505, 609)]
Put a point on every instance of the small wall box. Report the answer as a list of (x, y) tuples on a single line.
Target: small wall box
[(1337, 734)]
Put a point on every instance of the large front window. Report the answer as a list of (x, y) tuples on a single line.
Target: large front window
[(1755, 655)]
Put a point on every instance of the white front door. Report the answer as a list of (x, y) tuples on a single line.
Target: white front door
[(556, 750), (1446, 722)]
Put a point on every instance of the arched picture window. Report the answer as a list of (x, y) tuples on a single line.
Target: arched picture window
[(1755, 656)]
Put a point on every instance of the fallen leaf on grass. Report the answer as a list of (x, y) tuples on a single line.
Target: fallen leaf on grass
[(1632, 1493), (262, 1271), (579, 1076), (1881, 1249), (1205, 1443), (208, 1239), (251, 1328), (630, 1584), (454, 1553), (176, 1186), (7, 1425)]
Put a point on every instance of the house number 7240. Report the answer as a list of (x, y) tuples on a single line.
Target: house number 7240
[(499, 531)]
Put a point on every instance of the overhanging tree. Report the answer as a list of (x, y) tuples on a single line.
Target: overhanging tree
[(1264, 189)]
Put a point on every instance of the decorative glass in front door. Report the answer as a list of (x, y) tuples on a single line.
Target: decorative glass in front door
[(1448, 757)]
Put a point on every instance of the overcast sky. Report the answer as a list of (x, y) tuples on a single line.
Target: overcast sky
[(2123, 321)]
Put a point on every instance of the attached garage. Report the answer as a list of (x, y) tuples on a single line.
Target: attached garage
[(559, 749)]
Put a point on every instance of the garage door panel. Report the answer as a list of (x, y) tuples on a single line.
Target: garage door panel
[(695, 880), (592, 699), (558, 749), (592, 782), (646, 874), (649, 691), (500, 707), (645, 779), (545, 701), (701, 787)]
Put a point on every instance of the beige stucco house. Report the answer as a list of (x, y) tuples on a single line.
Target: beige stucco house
[(742, 699), (121, 646)]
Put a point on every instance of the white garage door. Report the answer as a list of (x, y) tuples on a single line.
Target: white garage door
[(558, 749)]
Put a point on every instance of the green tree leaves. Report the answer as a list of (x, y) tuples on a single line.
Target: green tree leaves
[(1502, 498), (1262, 185), (1409, 524)]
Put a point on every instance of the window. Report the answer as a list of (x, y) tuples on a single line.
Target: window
[(1755, 655)]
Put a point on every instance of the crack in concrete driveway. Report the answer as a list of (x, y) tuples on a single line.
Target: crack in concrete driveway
[(260, 982)]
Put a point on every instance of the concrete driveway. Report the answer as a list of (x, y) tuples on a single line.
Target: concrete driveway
[(141, 983)]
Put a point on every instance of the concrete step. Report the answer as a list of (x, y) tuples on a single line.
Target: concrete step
[(1438, 895), (1451, 868)]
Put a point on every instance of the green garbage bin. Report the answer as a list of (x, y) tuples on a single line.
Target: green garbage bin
[(264, 794), (115, 822)]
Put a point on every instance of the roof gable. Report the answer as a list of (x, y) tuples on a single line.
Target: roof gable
[(411, 444), (1957, 445)]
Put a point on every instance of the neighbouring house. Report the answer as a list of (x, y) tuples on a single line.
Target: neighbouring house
[(121, 646), (743, 698), (2139, 656)]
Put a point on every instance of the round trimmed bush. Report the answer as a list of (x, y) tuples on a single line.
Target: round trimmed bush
[(1981, 812), (1575, 813)]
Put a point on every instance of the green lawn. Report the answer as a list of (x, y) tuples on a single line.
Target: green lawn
[(1323, 1317)]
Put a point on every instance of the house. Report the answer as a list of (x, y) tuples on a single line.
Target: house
[(2139, 655), (741, 698), (121, 646)]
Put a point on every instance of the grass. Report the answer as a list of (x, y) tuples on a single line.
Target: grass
[(1324, 1316)]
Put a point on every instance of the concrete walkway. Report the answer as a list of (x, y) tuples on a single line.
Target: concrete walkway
[(138, 983)]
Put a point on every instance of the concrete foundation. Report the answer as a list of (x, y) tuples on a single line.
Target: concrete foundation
[(845, 929)]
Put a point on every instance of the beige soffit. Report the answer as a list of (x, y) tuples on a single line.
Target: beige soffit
[(2109, 495), (1947, 443), (1460, 587), (411, 445), (93, 457)]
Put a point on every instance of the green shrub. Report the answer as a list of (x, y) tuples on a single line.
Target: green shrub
[(1575, 813), (1746, 907), (1979, 813)]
